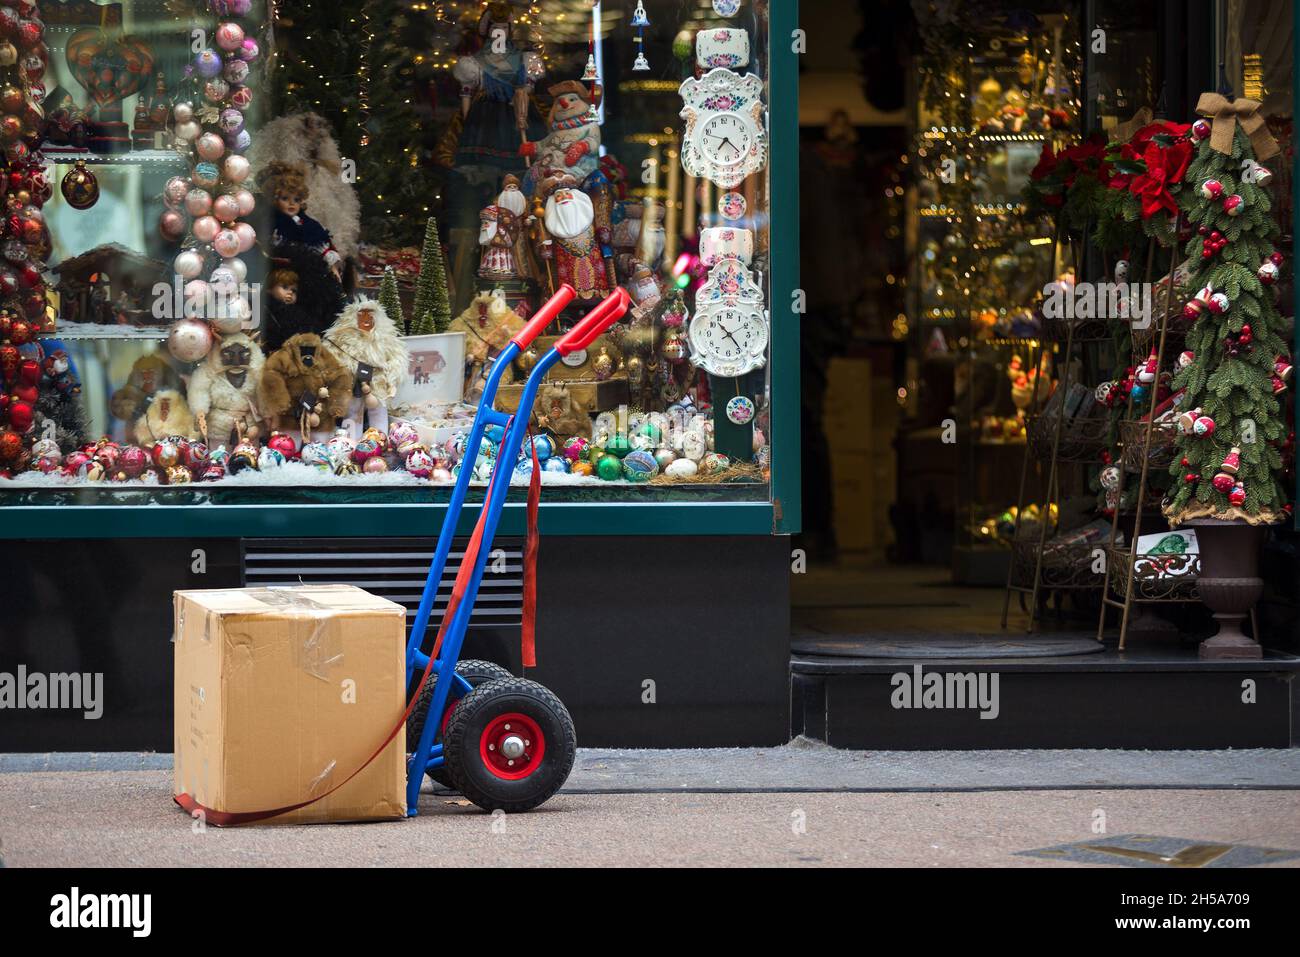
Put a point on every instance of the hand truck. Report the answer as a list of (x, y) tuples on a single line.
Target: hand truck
[(505, 743)]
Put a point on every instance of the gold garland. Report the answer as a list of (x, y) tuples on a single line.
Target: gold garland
[(1230, 514)]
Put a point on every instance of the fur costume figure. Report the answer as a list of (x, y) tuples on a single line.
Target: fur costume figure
[(149, 374), (223, 392), (488, 323), (366, 341), (306, 140), (554, 411), (300, 294), (305, 386), (285, 185), (168, 414)]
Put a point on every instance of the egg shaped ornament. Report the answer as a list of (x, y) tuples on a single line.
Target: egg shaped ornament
[(231, 121), (198, 202), (187, 130), (270, 458), (230, 36), (174, 191), (189, 340), (316, 455), (226, 243), (225, 208), (402, 436), (205, 228), (205, 176), (183, 111), (80, 187), (210, 147), (188, 264), (207, 63), (245, 202), (665, 457), (235, 72), (236, 168), (419, 462), (236, 266), (640, 466)]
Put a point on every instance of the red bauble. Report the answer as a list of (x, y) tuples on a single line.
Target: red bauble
[(20, 333), (1189, 477), (284, 444), (11, 445), (133, 461), (1223, 482), (20, 416)]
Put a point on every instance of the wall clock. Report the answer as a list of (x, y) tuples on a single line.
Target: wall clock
[(729, 332), (725, 139)]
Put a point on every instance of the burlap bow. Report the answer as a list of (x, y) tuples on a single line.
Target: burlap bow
[(1124, 132), (1225, 114)]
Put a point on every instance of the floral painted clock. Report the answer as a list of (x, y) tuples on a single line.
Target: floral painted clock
[(728, 334), (725, 139)]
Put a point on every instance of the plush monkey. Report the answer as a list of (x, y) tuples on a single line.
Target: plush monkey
[(554, 411), (168, 414), (305, 385), (223, 391), (367, 342), (149, 374)]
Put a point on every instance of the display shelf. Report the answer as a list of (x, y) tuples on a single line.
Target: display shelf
[(1154, 578), (1069, 566), (99, 330), (1082, 440), (148, 158), (1133, 437)]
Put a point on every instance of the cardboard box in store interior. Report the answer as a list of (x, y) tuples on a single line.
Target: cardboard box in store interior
[(280, 693)]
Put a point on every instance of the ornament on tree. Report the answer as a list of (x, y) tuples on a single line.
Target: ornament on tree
[(1187, 420), (1200, 130), (1233, 205), (1268, 272), (1186, 358), (1203, 427), (1211, 189), (1231, 461), (1218, 304), (1253, 172), (1223, 482), (80, 187), (1147, 373), (1237, 497)]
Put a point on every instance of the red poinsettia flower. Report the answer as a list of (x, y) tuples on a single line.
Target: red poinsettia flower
[(1046, 164), (1165, 168)]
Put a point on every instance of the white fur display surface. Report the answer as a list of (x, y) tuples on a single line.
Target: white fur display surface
[(380, 348), (307, 140)]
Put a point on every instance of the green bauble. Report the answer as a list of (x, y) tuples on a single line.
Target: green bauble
[(618, 444), (609, 468)]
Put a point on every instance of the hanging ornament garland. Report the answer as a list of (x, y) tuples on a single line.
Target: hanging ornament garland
[(640, 21), (208, 210)]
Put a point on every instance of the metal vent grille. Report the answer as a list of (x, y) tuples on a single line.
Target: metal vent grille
[(392, 568)]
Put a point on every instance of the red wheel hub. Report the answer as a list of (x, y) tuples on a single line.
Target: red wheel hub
[(512, 746)]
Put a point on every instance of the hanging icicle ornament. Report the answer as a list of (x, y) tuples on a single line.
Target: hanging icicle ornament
[(640, 21)]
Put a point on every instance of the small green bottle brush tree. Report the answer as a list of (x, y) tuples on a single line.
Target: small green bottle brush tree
[(1236, 367), (431, 311)]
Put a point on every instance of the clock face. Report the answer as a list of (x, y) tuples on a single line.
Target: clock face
[(729, 340), (726, 138)]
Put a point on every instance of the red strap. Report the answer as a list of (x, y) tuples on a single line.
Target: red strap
[(528, 629), (229, 818)]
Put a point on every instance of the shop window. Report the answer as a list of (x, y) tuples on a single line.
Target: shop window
[(267, 252)]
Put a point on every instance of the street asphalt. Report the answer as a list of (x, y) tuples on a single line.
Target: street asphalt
[(798, 805)]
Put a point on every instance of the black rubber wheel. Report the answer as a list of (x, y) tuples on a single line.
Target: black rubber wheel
[(475, 672), (510, 745)]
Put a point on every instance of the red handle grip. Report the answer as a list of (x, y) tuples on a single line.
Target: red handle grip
[(544, 316), (595, 322)]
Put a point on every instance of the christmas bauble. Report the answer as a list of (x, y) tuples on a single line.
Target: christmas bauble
[(316, 455), (171, 225), (576, 448), (205, 228), (187, 131), (210, 146), (225, 208), (556, 463), (1268, 273), (1203, 426), (226, 243), (244, 202), (714, 462), (231, 121), (640, 466), (244, 457), (269, 458), (207, 64), (1201, 129), (230, 36), (235, 72), (80, 187), (402, 436), (189, 340), (198, 202), (618, 445), (419, 462), (366, 449), (245, 238), (1233, 205), (1219, 303), (241, 97), (1211, 189), (133, 461), (249, 50), (609, 467), (283, 443), (206, 175), (183, 112), (188, 264), (1238, 495), (236, 266), (373, 466), (1223, 482)]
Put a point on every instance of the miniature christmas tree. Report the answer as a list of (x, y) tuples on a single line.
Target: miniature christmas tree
[(431, 311), (1228, 463), (391, 300)]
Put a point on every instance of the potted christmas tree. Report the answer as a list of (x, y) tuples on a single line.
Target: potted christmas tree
[(1236, 367), (437, 356)]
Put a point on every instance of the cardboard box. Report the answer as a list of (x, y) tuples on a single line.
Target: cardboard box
[(280, 693)]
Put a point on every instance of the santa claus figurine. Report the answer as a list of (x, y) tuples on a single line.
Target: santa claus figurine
[(572, 240), (366, 341), (573, 143)]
